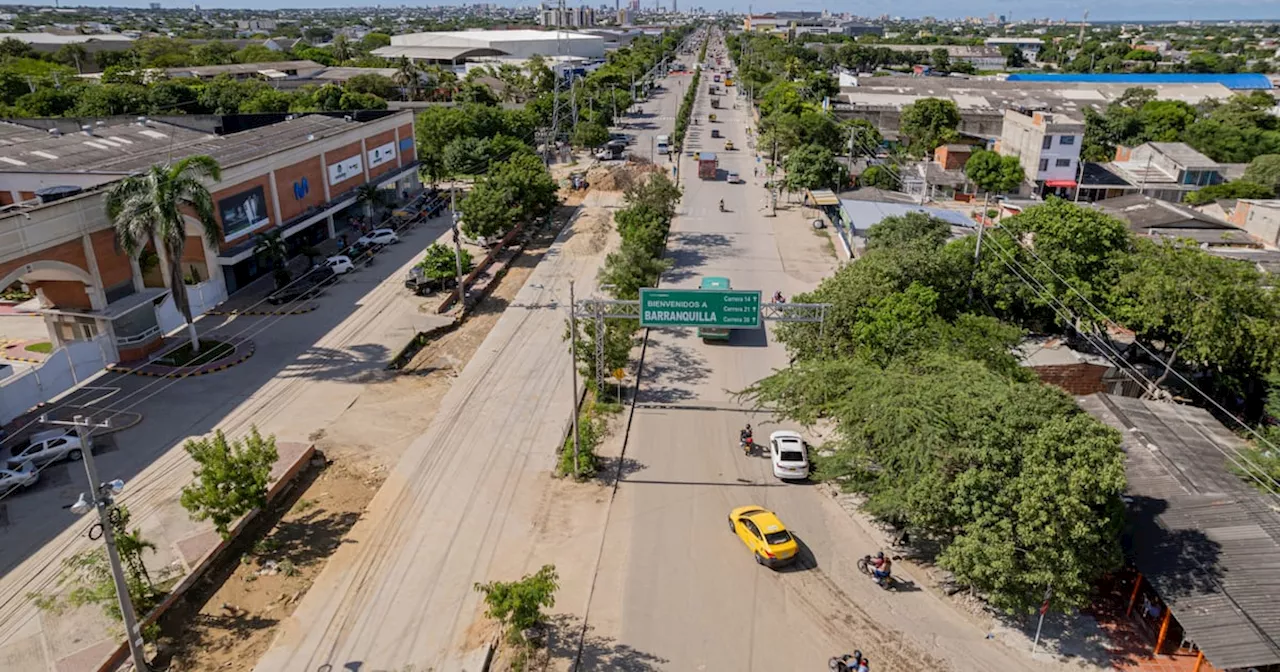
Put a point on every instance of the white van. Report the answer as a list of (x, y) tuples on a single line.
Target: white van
[(663, 144)]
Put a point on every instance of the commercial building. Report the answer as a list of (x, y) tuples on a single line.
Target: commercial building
[(1047, 145), (455, 47), (1235, 81), (981, 58), (1029, 46), (297, 176), (569, 17)]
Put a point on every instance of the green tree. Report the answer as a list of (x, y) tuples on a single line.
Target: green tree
[(1265, 170), (518, 605), (215, 52), (14, 48), (256, 53), (629, 268), (814, 167), (341, 49), (372, 84), (436, 127), (466, 156), (1232, 190), (231, 478), (940, 58), (1202, 312), (266, 101), (993, 173), (929, 123), (1017, 484), (587, 134), (1069, 252), (375, 41), (878, 177), (408, 77), (487, 210), (909, 230), (372, 197), (155, 206), (439, 261), (73, 54), (270, 247)]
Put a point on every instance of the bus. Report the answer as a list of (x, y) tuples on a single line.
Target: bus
[(708, 334), (663, 142)]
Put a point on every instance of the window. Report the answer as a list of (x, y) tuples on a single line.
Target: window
[(1067, 140), (1062, 163), (1048, 142), (1044, 165)]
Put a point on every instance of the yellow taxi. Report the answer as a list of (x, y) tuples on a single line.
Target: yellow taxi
[(765, 535)]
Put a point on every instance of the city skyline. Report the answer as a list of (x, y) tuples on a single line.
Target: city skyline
[(1144, 11)]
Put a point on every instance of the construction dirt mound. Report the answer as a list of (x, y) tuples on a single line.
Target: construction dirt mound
[(590, 233), (619, 177)]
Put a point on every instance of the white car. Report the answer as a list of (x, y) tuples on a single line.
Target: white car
[(733, 178), (340, 264), (379, 237), (22, 477), (46, 448), (789, 454)]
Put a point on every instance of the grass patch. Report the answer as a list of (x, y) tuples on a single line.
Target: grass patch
[(209, 351), (44, 347), (592, 428)]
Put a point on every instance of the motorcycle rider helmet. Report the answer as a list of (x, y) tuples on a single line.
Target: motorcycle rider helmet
[(880, 555)]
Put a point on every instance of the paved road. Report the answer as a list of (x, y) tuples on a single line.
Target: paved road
[(464, 503), (675, 588)]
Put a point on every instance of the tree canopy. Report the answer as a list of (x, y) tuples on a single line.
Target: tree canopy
[(928, 123)]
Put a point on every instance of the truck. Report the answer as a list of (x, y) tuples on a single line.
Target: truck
[(663, 144), (707, 165)]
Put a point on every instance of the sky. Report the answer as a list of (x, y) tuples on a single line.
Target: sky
[(1072, 10)]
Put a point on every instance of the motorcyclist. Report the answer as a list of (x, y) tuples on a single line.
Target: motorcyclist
[(778, 298), (883, 567), (744, 437), (722, 205)]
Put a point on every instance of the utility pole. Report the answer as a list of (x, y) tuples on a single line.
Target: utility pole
[(573, 364), (457, 246), (100, 498), (773, 182)]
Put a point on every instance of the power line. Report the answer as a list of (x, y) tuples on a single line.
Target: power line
[(1272, 485)]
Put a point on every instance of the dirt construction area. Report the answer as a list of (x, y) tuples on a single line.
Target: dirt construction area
[(232, 617)]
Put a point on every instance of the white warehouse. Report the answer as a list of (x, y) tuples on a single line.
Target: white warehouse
[(459, 46)]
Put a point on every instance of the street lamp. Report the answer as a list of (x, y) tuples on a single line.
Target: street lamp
[(102, 497)]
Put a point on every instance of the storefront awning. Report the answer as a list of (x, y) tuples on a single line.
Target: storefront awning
[(1060, 183), (823, 197)]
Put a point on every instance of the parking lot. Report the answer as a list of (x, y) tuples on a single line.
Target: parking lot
[(307, 369)]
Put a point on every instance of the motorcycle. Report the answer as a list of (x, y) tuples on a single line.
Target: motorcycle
[(747, 444), (845, 663), (865, 566)]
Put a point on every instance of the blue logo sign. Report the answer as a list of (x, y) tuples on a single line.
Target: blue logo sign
[(301, 188), (406, 144)]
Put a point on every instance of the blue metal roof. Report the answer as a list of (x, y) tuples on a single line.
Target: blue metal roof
[(1237, 81)]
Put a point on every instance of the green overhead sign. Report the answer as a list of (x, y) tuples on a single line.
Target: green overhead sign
[(724, 309)]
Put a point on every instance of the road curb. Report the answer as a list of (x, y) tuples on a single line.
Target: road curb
[(248, 347)]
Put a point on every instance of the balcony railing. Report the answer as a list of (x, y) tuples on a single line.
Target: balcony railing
[(145, 336)]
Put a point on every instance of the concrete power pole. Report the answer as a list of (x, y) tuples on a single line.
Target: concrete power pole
[(457, 247), (100, 498), (573, 364)]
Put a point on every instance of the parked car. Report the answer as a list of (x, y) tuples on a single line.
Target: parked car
[(340, 264), (422, 285), (733, 177), (379, 237), (22, 477), (789, 455), (46, 448)]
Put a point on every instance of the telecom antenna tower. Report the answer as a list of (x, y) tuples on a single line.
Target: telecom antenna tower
[(564, 109)]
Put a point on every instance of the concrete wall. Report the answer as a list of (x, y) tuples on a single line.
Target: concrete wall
[(66, 367), (1260, 218)]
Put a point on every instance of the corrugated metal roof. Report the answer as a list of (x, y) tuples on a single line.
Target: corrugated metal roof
[(1208, 542)]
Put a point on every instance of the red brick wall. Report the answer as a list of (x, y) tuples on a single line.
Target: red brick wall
[(341, 154), (141, 351), (290, 206), (71, 252), (64, 293), (113, 264), (263, 181), (1078, 379), (375, 141)]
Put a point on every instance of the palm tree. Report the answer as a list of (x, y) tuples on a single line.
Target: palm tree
[(371, 196), (150, 206), (271, 247), (340, 48), (409, 77)]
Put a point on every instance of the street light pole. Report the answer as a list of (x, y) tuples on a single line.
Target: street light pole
[(573, 366), (100, 497)]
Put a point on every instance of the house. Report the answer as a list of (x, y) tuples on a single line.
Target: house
[(1047, 145), (283, 43), (1261, 218), (1029, 46), (1154, 218), (1166, 170), (1202, 541), (953, 156)]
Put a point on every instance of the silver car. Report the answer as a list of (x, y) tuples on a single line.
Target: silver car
[(46, 448), (22, 477)]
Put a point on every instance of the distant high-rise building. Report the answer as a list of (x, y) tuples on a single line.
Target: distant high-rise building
[(155, 5)]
